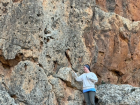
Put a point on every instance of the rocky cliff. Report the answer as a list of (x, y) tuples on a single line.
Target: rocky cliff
[(43, 41)]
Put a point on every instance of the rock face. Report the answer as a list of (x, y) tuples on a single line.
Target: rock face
[(37, 39), (5, 98), (118, 95), (43, 41), (127, 8), (118, 44)]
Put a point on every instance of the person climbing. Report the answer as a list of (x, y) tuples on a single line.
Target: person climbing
[(88, 78)]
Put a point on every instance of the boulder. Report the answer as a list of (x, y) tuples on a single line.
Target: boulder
[(109, 94)]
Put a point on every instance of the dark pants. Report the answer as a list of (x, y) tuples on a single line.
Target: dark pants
[(90, 97)]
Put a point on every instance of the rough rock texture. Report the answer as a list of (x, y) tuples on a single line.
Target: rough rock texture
[(66, 95), (29, 84), (118, 95), (42, 42), (118, 44), (5, 98), (127, 8), (37, 39)]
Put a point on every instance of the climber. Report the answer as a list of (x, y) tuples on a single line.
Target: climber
[(88, 78)]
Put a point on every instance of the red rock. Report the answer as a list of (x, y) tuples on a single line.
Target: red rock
[(127, 8)]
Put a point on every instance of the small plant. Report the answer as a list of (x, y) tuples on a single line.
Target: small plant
[(103, 82)]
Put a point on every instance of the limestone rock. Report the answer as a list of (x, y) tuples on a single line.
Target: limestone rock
[(42, 42), (127, 8), (29, 84), (109, 94), (64, 45), (37, 39), (66, 74), (5, 99), (65, 94), (118, 40)]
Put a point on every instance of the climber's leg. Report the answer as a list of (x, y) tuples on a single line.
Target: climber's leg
[(92, 97), (87, 99)]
